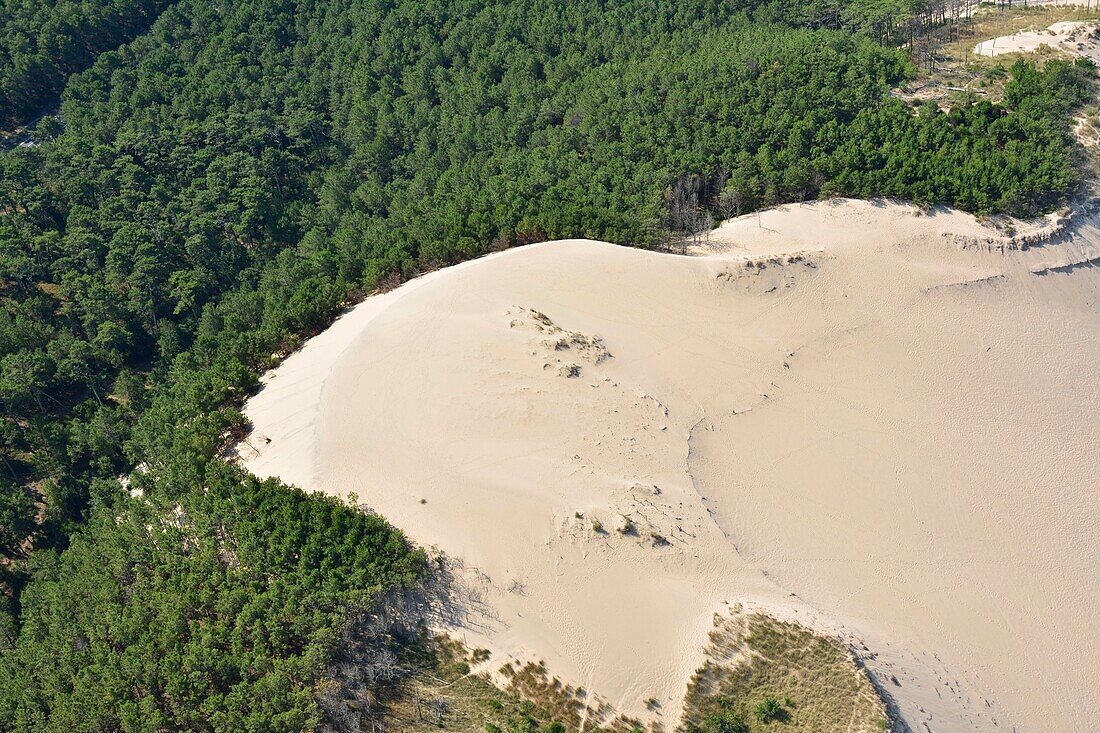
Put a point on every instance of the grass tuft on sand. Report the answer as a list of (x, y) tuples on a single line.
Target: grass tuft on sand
[(440, 690), (762, 674)]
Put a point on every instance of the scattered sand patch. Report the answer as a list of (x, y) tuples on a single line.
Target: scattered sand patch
[(559, 349), (1068, 38)]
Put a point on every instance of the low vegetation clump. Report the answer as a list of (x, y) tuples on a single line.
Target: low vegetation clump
[(436, 691), (769, 709), (762, 673), (573, 707), (722, 720)]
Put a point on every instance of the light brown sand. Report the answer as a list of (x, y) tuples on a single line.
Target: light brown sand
[(843, 415), (1071, 38)]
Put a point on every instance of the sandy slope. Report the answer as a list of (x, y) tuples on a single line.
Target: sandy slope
[(1073, 38), (842, 414)]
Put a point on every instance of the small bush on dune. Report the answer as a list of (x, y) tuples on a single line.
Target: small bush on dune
[(768, 709), (723, 721)]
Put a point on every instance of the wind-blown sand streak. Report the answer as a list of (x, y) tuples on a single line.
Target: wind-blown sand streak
[(840, 415)]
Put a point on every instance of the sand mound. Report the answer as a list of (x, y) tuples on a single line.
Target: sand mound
[(1070, 38), (840, 415)]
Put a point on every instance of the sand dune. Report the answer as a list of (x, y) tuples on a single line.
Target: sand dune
[(878, 422), (1069, 37)]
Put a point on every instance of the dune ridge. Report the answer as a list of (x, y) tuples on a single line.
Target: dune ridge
[(834, 412)]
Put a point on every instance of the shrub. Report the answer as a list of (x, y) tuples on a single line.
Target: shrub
[(723, 721), (768, 709)]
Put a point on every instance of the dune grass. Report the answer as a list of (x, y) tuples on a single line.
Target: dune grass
[(762, 674), (439, 691)]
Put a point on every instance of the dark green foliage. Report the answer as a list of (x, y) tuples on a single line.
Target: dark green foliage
[(768, 709), (8, 628), (213, 614), (982, 157), (43, 41), (16, 516), (722, 721)]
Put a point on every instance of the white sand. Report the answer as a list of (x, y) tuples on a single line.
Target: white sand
[(1073, 38), (890, 436)]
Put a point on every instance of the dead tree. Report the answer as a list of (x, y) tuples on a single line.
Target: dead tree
[(730, 202), (688, 218), (437, 707)]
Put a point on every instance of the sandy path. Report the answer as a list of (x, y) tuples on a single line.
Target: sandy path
[(878, 432)]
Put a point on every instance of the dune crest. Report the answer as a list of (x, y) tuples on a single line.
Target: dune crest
[(837, 413)]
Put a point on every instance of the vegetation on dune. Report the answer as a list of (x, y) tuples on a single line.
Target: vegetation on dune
[(226, 182), (434, 688), (765, 674), (436, 684)]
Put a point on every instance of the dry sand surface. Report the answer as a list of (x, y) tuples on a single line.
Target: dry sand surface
[(878, 422), (1071, 38)]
